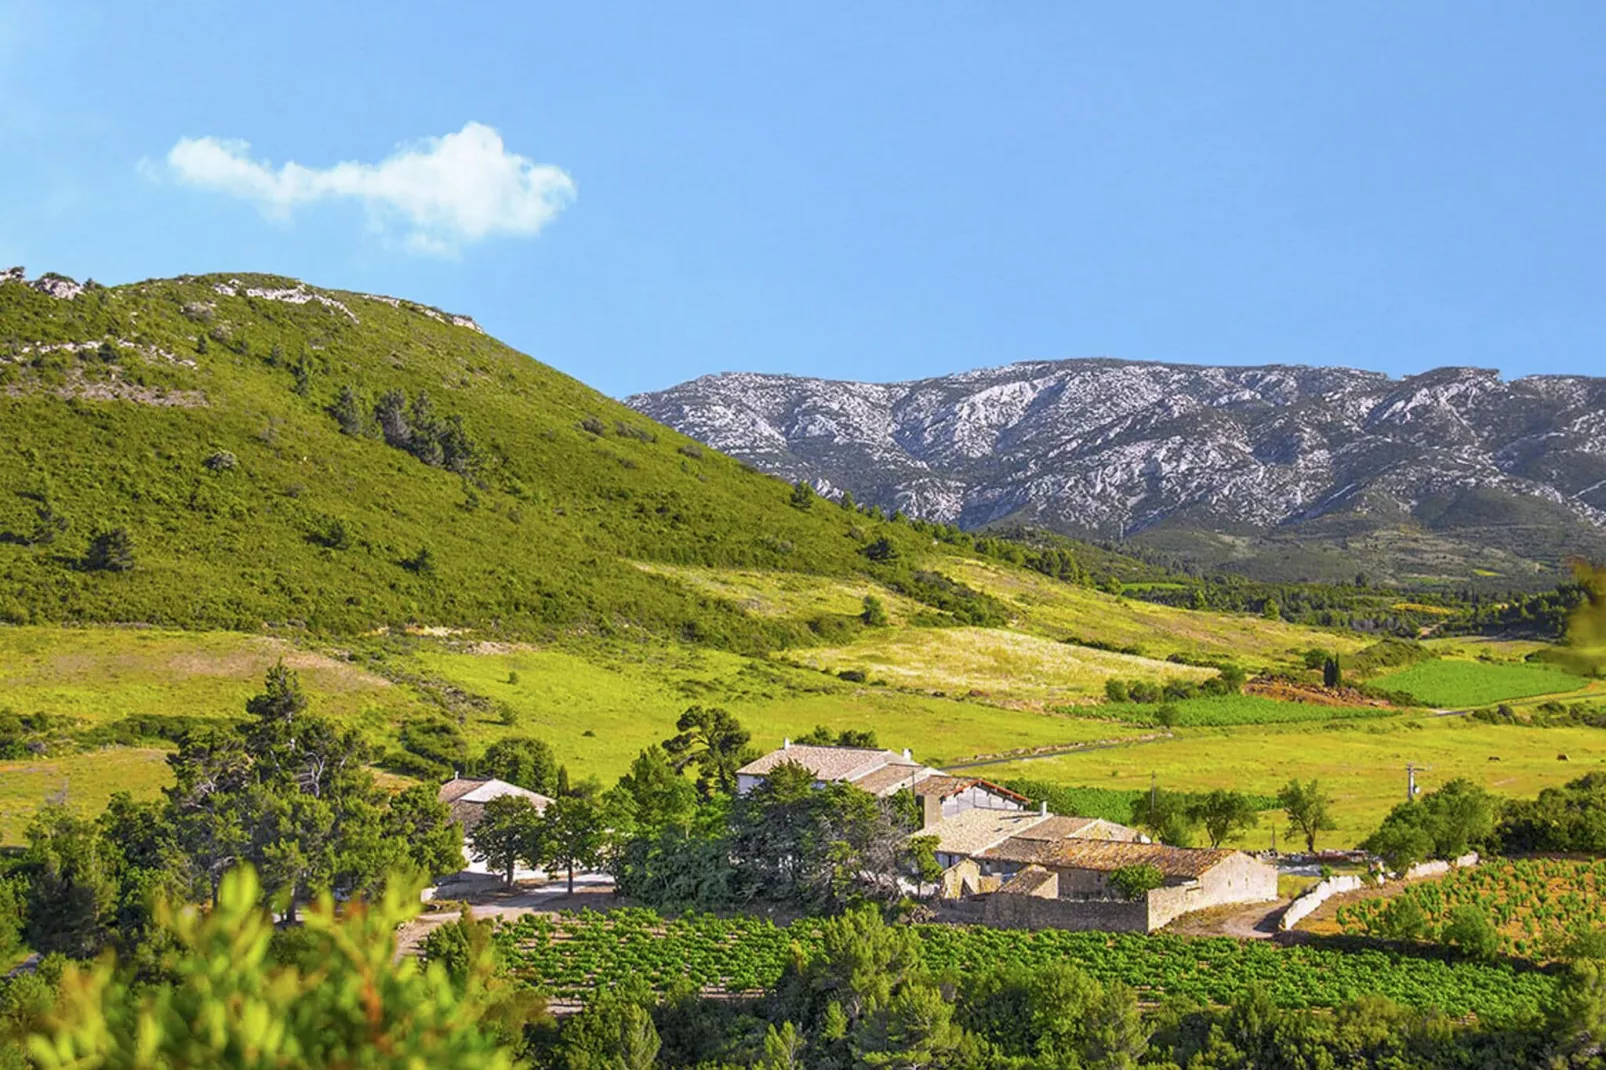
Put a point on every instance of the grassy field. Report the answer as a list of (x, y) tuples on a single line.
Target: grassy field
[(787, 594), (1459, 683), (1361, 762), (1218, 710), (99, 675), (995, 663), (1058, 610), (598, 710), (83, 781)]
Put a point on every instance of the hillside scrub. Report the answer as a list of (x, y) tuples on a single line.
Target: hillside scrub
[(361, 438)]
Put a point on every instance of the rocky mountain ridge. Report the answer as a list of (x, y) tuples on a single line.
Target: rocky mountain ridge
[(1196, 459)]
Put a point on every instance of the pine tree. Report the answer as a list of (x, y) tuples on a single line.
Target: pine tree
[(110, 551)]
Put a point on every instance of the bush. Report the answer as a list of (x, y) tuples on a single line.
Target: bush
[(1134, 882), (221, 461), (1471, 932), (110, 551), (1403, 919)]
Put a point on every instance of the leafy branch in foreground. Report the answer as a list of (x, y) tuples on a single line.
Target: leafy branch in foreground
[(224, 1002)]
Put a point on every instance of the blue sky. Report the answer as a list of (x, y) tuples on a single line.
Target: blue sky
[(879, 191)]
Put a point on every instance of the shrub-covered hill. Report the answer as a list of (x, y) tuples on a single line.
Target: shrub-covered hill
[(240, 451)]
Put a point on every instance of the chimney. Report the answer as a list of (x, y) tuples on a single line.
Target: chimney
[(907, 756), (786, 743), (1042, 808)]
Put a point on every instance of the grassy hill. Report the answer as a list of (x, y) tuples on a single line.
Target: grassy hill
[(207, 423)]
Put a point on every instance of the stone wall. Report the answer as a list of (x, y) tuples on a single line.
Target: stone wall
[(1030, 912), (1301, 908)]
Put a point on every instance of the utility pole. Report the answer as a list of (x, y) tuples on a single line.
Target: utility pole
[(1411, 770)]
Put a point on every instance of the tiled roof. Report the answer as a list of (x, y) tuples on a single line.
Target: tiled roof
[(1026, 881), (973, 831), (943, 786), (1107, 855), (1055, 827), (456, 788), (892, 777), (466, 797), (826, 763)]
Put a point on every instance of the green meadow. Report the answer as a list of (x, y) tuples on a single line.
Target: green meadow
[(1457, 682), (1361, 762)]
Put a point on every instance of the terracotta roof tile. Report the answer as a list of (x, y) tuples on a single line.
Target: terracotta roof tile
[(826, 763), (891, 777), (1108, 855), (973, 831), (1027, 881)]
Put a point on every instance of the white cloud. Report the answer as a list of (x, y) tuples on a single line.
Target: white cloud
[(445, 191)]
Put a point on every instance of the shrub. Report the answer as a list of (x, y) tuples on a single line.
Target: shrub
[(110, 551), (1470, 931), (1134, 882), (221, 461), (875, 614), (1402, 919)]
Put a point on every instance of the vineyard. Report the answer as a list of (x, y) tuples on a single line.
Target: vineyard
[(1531, 902), (572, 954)]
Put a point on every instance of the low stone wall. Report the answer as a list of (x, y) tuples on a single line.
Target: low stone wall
[(1004, 911), (1439, 867), (1301, 908)]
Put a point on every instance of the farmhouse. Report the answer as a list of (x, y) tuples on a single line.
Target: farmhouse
[(1041, 870), (883, 773), (973, 833), (466, 797)]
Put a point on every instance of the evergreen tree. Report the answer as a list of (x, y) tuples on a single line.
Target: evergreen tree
[(712, 740), (110, 551)]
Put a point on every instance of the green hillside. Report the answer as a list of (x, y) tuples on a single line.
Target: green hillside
[(208, 424)]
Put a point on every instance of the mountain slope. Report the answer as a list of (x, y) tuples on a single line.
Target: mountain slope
[(204, 417), (1434, 474)]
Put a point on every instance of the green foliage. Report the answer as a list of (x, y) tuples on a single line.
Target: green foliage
[(1308, 808), (1458, 683), (219, 1004), (1226, 710), (713, 741), (802, 496), (1224, 814), (110, 551), (562, 514), (1445, 823), (875, 614), (1568, 818), (571, 833), (1134, 882), (821, 736), (569, 954), (1538, 908), (508, 832), (521, 760), (1469, 930)]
